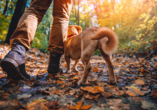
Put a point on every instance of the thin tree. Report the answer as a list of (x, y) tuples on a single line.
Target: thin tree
[(6, 6), (19, 10)]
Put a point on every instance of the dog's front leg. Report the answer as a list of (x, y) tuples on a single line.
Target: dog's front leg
[(67, 59), (75, 66)]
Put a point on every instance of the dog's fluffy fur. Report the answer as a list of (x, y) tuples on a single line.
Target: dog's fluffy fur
[(84, 45)]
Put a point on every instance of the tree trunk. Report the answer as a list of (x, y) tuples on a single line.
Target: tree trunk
[(19, 10), (75, 12), (6, 6), (78, 12)]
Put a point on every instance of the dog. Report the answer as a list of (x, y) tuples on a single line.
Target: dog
[(83, 45)]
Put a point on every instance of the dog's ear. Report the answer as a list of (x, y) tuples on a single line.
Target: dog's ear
[(78, 28)]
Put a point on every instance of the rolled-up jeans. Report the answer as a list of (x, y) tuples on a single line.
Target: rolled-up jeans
[(31, 18)]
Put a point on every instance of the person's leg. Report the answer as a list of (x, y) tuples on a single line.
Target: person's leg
[(14, 62), (61, 13), (29, 22)]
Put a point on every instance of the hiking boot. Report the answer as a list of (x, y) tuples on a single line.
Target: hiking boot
[(14, 63), (53, 67)]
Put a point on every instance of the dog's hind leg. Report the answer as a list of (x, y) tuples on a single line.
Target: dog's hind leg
[(107, 58), (87, 68), (75, 66), (67, 59), (85, 58)]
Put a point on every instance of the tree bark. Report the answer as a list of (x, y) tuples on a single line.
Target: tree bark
[(6, 6), (75, 12), (19, 10), (78, 12)]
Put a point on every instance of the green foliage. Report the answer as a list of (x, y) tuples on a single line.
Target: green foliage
[(41, 39), (4, 24), (97, 52), (134, 21)]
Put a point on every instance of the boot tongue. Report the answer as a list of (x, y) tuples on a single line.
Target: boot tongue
[(18, 47)]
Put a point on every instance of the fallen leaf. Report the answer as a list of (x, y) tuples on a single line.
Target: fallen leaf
[(130, 93), (155, 93), (148, 105), (52, 104), (86, 107), (23, 96), (90, 96), (80, 107), (38, 105), (95, 69), (80, 95), (137, 99), (139, 82), (109, 86), (9, 105), (93, 90), (106, 94)]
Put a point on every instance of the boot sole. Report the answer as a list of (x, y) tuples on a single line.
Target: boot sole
[(10, 66), (61, 71)]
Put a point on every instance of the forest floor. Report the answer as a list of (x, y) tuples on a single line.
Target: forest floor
[(136, 89)]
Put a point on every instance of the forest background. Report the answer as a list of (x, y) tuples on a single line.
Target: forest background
[(134, 21)]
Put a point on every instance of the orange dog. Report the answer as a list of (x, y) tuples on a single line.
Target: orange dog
[(84, 45)]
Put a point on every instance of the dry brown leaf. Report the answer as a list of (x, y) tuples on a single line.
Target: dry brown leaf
[(109, 86), (137, 99), (139, 82), (86, 107), (130, 93), (49, 76), (72, 107), (138, 92), (106, 94), (52, 104), (80, 95), (76, 78), (120, 92), (36, 105), (114, 101), (71, 92), (92, 80), (9, 105), (64, 85), (5, 94), (55, 92), (155, 93), (93, 90), (95, 69), (60, 82), (79, 106), (90, 96)]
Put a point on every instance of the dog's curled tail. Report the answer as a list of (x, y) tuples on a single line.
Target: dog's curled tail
[(108, 39)]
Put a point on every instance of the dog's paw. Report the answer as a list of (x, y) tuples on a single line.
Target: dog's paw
[(68, 72), (112, 82), (74, 70), (81, 82)]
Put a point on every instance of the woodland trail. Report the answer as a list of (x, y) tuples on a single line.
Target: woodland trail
[(136, 89)]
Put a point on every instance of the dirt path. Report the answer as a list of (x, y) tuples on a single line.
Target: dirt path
[(136, 89)]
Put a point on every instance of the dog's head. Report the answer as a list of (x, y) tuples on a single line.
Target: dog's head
[(74, 30)]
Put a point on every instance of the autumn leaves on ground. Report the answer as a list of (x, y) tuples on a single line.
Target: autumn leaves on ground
[(136, 89)]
